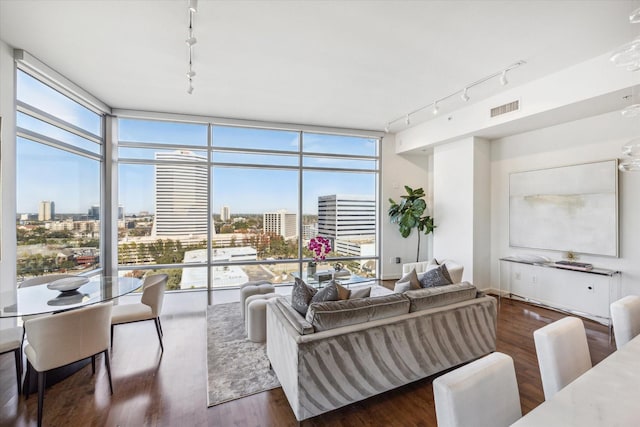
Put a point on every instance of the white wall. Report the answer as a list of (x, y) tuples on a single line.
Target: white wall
[(398, 171), (591, 139), (461, 187), (7, 179)]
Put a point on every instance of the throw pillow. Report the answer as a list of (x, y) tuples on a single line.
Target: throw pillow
[(328, 293), (433, 262), (360, 293), (412, 278), (343, 293), (438, 276), (301, 295)]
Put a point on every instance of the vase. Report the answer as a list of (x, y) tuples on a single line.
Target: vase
[(311, 269)]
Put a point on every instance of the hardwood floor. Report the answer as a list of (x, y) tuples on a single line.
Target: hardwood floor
[(154, 389)]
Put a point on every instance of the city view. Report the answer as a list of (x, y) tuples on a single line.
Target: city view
[(223, 201)]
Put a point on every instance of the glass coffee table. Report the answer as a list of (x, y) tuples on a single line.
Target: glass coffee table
[(323, 277)]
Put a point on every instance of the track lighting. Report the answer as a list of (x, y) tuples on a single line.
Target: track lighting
[(503, 78), (386, 128), (464, 95), (634, 18), (191, 40)]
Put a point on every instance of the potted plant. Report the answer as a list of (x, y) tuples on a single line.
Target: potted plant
[(408, 214), (320, 247)]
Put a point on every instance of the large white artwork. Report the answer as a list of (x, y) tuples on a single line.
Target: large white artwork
[(570, 208)]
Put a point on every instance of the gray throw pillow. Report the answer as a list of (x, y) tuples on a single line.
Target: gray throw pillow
[(411, 278), (360, 293), (438, 276), (328, 293), (301, 295)]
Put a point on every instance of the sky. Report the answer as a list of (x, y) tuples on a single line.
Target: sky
[(72, 181)]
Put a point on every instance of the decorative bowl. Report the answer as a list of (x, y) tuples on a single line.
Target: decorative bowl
[(67, 284)]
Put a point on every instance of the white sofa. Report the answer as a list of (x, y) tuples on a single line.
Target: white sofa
[(455, 270)]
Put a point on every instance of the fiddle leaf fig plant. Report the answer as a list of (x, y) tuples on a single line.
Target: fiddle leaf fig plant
[(408, 214)]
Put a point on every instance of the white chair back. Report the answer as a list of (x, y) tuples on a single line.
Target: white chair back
[(153, 292), (461, 395), (563, 353), (625, 315), (67, 337)]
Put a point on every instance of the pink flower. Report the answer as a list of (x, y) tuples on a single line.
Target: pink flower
[(321, 246)]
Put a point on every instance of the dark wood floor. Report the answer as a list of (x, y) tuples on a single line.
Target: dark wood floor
[(151, 389)]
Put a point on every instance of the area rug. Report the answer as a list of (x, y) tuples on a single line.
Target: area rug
[(236, 367)]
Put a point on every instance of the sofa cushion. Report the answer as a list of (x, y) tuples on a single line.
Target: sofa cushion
[(408, 281), (360, 293), (343, 293), (335, 314), (295, 319), (438, 296), (436, 276), (328, 293), (301, 295)]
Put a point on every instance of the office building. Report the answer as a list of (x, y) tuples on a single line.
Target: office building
[(181, 195), (225, 213), (47, 211), (281, 223)]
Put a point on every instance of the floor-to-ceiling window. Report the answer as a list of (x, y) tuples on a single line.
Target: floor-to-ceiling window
[(242, 203), (58, 178)]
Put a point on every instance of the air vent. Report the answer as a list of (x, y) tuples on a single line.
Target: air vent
[(506, 108)]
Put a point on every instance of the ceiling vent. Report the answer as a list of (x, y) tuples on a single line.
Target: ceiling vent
[(506, 108)]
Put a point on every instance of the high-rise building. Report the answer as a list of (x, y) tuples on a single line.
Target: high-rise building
[(348, 220), (47, 211), (281, 223), (181, 195), (225, 213)]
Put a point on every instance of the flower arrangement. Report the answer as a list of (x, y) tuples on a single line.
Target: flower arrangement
[(320, 246)]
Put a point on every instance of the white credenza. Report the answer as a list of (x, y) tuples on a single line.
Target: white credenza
[(585, 293)]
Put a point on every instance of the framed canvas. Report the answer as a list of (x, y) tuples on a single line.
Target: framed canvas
[(570, 208)]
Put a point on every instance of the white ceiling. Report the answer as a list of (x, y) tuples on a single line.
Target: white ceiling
[(351, 64)]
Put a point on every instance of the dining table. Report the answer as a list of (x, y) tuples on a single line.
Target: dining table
[(607, 395), (47, 298), (58, 296)]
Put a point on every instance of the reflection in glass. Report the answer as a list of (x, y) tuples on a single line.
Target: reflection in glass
[(35, 93), (38, 126), (162, 132), (253, 138)]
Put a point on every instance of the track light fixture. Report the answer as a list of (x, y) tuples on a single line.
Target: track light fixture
[(435, 105), (191, 40), (503, 78), (465, 96), (634, 18)]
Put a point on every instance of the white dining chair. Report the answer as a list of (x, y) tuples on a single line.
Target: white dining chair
[(563, 353), (625, 316), (40, 280), (149, 307), (461, 395), (11, 342), (65, 338)]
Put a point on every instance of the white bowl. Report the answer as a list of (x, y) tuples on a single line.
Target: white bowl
[(67, 284)]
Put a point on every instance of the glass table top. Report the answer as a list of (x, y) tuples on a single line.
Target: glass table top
[(322, 277), (40, 299)]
